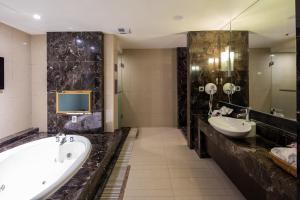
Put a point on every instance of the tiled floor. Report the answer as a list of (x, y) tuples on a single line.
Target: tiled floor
[(164, 168)]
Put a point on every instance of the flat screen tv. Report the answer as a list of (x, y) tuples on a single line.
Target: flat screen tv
[(73, 102), (1, 73)]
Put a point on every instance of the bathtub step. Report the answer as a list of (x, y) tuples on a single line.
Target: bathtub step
[(115, 187)]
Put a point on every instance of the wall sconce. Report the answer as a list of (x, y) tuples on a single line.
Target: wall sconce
[(213, 61), (195, 68), (225, 57)]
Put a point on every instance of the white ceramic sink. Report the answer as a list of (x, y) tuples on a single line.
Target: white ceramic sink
[(231, 127)]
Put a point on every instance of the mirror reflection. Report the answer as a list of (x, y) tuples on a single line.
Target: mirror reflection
[(272, 56)]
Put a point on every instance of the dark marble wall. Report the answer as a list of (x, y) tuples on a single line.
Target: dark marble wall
[(203, 45), (182, 86), (298, 79), (75, 62)]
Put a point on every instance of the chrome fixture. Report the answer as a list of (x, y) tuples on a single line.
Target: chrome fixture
[(271, 63), (2, 187), (210, 89), (61, 138), (245, 114)]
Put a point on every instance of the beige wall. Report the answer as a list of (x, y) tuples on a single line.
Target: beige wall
[(260, 79), (266, 83), (111, 48), (39, 81), (284, 78), (15, 99), (149, 88)]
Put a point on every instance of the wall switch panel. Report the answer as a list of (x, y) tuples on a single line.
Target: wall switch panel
[(201, 88), (74, 119)]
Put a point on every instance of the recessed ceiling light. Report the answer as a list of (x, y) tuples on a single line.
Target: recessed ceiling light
[(36, 16), (178, 17)]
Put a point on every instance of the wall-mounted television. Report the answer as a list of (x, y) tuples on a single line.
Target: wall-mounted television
[(73, 102), (1, 73)]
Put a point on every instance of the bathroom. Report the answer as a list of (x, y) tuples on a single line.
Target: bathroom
[(172, 100)]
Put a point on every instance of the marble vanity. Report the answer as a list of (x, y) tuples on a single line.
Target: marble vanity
[(246, 163)]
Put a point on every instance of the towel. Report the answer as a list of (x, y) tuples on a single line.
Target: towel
[(222, 111), (287, 154)]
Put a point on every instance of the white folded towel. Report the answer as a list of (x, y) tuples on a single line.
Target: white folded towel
[(287, 154), (222, 111)]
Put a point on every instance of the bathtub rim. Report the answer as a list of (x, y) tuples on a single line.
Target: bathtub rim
[(66, 175)]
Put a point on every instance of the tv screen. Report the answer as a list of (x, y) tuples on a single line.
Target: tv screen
[(1, 73), (71, 102)]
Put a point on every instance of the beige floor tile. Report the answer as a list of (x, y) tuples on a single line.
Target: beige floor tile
[(209, 198), (189, 198), (148, 183), (164, 168), (148, 193), (148, 198), (201, 192), (199, 164), (195, 183), (149, 166), (149, 173), (191, 173)]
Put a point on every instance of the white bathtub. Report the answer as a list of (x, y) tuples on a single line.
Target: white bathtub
[(31, 171)]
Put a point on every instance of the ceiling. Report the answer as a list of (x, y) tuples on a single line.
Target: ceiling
[(151, 21), (270, 22)]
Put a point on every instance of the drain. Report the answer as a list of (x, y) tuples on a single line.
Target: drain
[(44, 182), (69, 155), (2, 187)]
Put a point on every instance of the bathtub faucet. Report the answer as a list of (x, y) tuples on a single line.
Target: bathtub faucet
[(61, 138)]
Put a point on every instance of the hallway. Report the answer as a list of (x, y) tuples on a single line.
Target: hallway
[(164, 168)]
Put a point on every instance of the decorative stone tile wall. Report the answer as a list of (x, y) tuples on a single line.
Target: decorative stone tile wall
[(298, 79), (182, 86), (204, 45), (75, 62)]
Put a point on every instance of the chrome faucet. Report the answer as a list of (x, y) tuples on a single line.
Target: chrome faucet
[(61, 138), (245, 114)]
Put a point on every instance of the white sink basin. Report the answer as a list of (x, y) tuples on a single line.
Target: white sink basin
[(231, 127)]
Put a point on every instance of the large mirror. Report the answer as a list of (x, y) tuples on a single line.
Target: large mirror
[(271, 60)]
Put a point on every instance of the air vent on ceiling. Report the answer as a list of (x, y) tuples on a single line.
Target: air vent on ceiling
[(124, 30)]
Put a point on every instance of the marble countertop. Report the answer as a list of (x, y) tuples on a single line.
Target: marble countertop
[(253, 156)]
